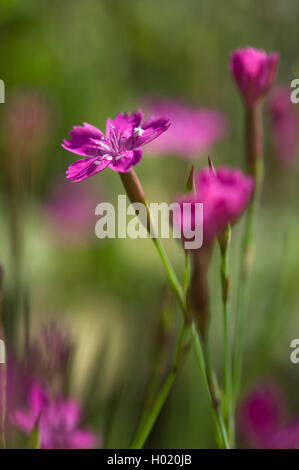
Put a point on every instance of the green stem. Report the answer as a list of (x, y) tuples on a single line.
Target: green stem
[(187, 274), (238, 355), (3, 371), (227, 355), (208, 378), (254, 147), (158, 369), (136, 194), (148, 423), (174, 282), (246, 262), (224, 243), (241, 301)]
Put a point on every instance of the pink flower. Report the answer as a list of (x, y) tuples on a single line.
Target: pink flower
[(262, 420), (225, 194), (254, 72), (284, 122), (119, 149), (58, 421), (47, 359), (193, 130)]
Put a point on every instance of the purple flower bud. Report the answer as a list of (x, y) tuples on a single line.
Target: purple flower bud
[(225, 195), (254, 72)]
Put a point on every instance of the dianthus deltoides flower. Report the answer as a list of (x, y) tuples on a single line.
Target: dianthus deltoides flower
[(254, 72), (225, 194), (119, 149), (58, 421), (262, 420), (193, 131)]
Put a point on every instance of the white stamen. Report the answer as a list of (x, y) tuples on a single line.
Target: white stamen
[(104, 146), (119, 157), (138, 131), (112, 126), (108, 158)]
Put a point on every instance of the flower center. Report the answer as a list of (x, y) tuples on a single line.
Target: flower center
[(138, 131), (115, 144)]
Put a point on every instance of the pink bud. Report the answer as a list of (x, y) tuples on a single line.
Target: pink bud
[(254, 72), (225, 195)]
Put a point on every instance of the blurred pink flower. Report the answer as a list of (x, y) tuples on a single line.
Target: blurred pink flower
[(225, 195), (119, 149), (27, 123), (70, 212), (193, 131), (254, 72), (284, 121), (47, 359), (262, 420), (58, 421)]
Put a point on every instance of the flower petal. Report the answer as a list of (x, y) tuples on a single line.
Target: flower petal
[(124, 164), (285, 438), (273, 61), (254, 72), (193, 131), (82, 439), (261, 415), (24, 420), (38, 399), (152, 129), (123, 122), (85, 168), (71, 410), (85, 140)]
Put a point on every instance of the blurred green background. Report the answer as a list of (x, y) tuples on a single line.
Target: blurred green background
[(92, 59)]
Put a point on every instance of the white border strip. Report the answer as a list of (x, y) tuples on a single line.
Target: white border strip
[(2, 352)]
